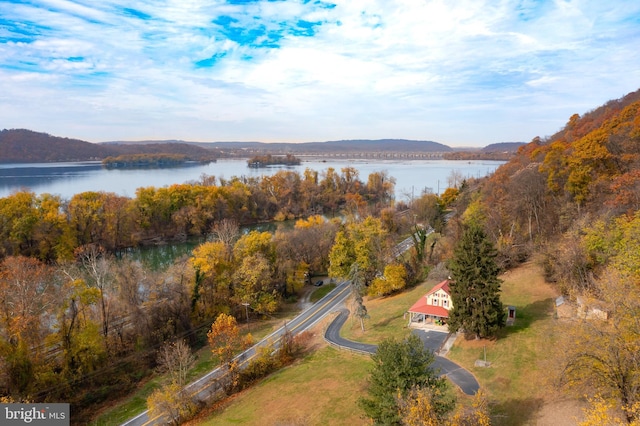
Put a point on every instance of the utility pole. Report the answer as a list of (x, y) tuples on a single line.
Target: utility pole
[(246, 309)]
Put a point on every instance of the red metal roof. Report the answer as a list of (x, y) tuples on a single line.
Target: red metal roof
[(444, 285), (422, 307)]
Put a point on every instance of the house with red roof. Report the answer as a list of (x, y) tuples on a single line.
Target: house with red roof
[(432, 307)]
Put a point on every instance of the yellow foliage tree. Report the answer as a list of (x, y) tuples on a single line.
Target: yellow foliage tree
[(309, 222), (170, 403), (394, 279), (224, 338)]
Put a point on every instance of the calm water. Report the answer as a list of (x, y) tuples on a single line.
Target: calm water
[(66, 179)]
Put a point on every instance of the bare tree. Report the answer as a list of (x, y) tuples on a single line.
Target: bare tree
[(98, 268), (455, 178), (226, 231), (174, 359)]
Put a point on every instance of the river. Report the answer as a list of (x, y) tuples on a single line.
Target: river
[(67, 179)]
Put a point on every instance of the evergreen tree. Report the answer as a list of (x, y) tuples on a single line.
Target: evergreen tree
[(356, 279), (400, 367), (475, 289)]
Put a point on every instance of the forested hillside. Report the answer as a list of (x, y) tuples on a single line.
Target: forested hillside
[(572, 202), (21, 146), (588, 171)]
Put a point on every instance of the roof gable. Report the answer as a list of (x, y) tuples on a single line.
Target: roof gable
[(444, 286)]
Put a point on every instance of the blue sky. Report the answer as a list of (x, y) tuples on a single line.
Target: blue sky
[(463, 72)]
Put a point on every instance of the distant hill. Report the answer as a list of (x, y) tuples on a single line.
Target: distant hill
[(340, 146), (503, 147), (27, 146), (23, 146), (496, 151)]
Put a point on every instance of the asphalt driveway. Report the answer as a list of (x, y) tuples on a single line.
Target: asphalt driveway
[(432, 340)]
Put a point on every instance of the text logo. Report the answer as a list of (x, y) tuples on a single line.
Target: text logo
[(35, 414)]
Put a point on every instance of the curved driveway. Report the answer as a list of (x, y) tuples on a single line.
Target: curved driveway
[(432, 340)]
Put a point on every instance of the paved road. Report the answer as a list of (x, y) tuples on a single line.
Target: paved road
[(406, 244), (207, 386), (432, 340)]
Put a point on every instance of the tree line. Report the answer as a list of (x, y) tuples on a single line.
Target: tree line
[(50, 228), (80, 325)]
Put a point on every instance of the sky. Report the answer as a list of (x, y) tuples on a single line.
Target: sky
[(458, 72)]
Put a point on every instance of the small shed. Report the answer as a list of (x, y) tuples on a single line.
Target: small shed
[(511, 315)]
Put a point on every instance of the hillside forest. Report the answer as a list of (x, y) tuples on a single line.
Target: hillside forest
[(72, 308), (27, 146)]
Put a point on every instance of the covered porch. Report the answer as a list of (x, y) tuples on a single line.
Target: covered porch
[(424, 315)]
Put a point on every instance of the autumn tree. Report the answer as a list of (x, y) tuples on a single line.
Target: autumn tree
[(253, 279), (342, 255), (212, 288), (398, 367), (604, 412), (425, 406), (393, 279), (226, 231), (303, 251), (419, 237), (379, 188), (225, 339), (98, 272), (363, 242), (166, 305), (357, 286), (475, 287), (119, 227), (449, 196), (171, 403), (174, 360), (18, 218), (476, 415), (252, 284), (77, 332), (86, 217), (602, 354), (52, 232), (429, 211), (25, 295)]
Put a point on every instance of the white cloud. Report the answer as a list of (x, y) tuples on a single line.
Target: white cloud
[(473, 72)]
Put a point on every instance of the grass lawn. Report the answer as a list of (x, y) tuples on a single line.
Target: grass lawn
[(320, 389), (323, 388), (321, 292), (386, 316), (520, 380)]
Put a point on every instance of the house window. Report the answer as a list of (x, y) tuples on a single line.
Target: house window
[(434, 302), (445, 303)]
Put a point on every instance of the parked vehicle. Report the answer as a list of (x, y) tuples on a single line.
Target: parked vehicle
[(319, 283)]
